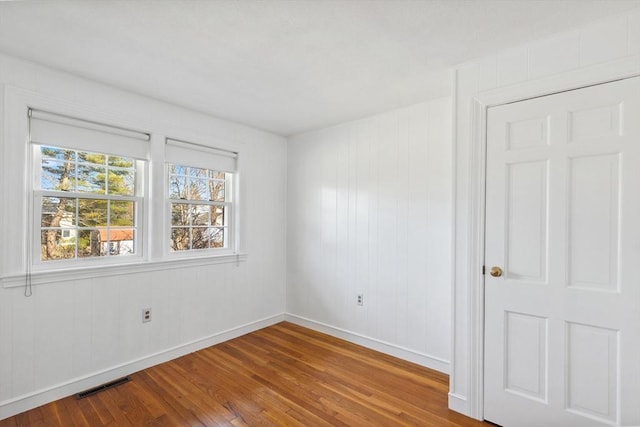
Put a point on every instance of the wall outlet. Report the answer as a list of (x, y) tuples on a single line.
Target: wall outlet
[(146, 315), (360, 299)]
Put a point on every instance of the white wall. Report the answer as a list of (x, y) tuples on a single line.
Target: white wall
[(75, 334), (370, 211), (608, 49)]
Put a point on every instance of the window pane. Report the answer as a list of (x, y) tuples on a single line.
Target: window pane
[(58, 153), (92, 213), (90, 243), (95, 158), (180, 240), (177, 170), (122, 213), (180, 214), (121, 162), (200, 238), (198, 173), (197, 225), (57, 175), (78, 227), (200, 215), (58, 212), (122, 181), (198, 189), (216, 237), (121, 242), (217, 215), (216, 190), (54, 246), (177, 187), (91, 179)]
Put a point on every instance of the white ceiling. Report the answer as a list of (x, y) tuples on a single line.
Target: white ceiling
[(283, 66)]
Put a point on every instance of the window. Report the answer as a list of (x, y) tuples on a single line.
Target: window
[(87, 203), (81, 201), (200, 203), (200, 197)]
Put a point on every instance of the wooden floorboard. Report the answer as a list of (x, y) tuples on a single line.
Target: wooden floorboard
[(283, 375)]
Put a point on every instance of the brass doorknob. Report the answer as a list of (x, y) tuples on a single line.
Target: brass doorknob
[(496, 271)]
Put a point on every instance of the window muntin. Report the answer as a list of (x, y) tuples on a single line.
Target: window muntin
[(86, 204), (200, 205)]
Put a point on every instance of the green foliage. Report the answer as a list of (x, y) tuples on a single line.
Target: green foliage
[(83, 172)]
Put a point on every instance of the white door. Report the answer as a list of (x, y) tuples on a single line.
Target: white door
[(562, 322)]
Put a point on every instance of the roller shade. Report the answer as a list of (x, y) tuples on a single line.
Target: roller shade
[(68, 132), (201, 156)]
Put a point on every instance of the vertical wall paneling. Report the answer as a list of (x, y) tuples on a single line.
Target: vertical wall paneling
[(633, 27), (56, 306), (384, 186), (371, 242), (604, 41), (388, 283), (23, 343), (607, 48), (343, 285), (418, 254), (488, 78), (362, 138), (6, 351), (512, 67), (81, 330), (438, 223), (93, 326), (402, 232), (554, 55)]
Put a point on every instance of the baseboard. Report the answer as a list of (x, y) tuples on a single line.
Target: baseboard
[(422, 359), (458, 403), (32, 400)]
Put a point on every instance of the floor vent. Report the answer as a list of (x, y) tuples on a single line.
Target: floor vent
[(98, 389)]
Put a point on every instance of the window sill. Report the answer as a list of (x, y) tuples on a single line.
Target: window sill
[(54, 276)]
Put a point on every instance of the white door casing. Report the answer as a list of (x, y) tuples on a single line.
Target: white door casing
[(562, 324)]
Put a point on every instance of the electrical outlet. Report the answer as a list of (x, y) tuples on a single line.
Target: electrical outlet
[(360, 299), (146, 315)]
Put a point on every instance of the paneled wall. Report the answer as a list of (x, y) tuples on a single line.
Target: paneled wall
[(370, 212), (76, 334), (605, 48)]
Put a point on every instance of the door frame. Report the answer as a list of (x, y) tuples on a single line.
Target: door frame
[(480, 103)]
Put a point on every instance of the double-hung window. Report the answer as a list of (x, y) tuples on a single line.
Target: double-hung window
[(200, 197), (88, 189)]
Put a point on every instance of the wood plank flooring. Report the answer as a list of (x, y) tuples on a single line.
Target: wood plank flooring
[(283, 375)]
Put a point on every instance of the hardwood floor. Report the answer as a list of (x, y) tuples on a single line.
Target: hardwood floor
[(283, 375)]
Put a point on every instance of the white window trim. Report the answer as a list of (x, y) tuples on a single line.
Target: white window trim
[(15, 269), (233, 248), (34, 261), (119, 269)]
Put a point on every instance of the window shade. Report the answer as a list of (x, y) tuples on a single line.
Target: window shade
[(201, 156), (68, 132)]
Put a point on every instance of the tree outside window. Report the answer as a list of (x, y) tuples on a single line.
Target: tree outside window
[(200, 203), (87, 204)]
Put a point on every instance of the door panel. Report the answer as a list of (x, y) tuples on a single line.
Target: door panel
[(562, 322), (526, 221), (526, 355), (593, 239)]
